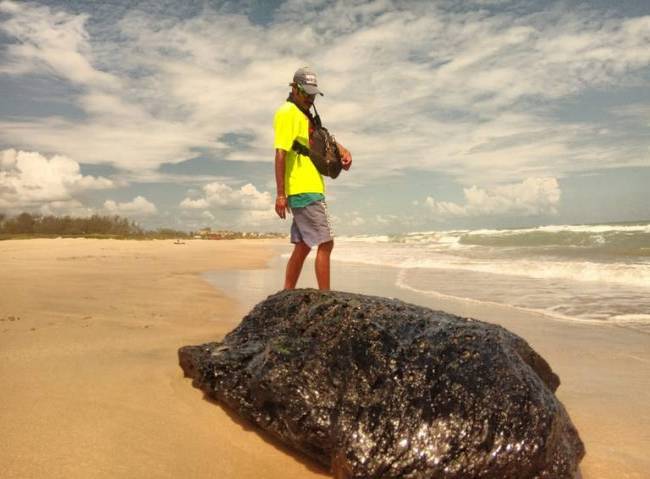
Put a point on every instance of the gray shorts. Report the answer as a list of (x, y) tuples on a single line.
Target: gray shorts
[(311, 224)]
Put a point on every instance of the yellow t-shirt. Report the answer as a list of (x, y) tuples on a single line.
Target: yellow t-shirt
[(300, 174)]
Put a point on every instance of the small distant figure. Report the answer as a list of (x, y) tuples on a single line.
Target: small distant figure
[(300, 185), (179, 242)]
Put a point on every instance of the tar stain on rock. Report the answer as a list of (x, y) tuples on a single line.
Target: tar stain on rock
[(377, 388)]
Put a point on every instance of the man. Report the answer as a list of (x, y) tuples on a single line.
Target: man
[(300, 187)]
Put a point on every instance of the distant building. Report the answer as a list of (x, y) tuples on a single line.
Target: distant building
[(207, 233)]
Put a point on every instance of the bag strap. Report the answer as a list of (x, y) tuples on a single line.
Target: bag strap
[(316, 117), (300, 148), (297, 146)]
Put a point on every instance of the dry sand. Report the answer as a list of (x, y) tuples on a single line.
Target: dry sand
[(91, 388), (89, 377)]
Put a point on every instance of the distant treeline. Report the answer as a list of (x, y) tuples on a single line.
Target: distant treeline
[(30, 225)]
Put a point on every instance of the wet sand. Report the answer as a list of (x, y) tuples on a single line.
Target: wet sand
[(91, 387)]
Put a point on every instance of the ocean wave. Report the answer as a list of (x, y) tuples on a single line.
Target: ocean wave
[(615, 240), (616, 243), (638, 322), (401, 283), (637, 275), (603, 228), (577, 312)]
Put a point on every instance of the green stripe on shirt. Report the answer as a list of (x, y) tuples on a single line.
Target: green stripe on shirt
[(304, 199)]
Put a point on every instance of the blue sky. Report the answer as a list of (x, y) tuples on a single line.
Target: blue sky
[(485, 113)]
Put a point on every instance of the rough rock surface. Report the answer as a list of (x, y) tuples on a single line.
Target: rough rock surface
[(377, 388)]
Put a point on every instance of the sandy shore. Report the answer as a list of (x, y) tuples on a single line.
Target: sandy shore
[(91, 388), (89, 375)]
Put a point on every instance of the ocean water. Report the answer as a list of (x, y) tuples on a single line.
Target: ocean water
[(591, 273)]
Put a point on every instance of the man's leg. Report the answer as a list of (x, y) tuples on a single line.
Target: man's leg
[(323, 264), (294, 265)]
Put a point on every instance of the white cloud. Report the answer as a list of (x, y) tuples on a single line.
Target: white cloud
[(139, 206), (50, 42), (124, 127), (221, 196), (29, 180), (472, 94), (243, 208), (7, 159), (531, 197), (259, 220), (355, 219), (387, 219), (206, 215), (450, 96), (348, 221), (69, 207), (195, 204)]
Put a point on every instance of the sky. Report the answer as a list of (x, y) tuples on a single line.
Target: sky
[(458, 114)]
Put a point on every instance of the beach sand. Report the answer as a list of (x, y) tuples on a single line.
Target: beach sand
[(89, 332), (91, 387)]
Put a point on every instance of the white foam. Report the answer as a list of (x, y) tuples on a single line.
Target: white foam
[(404, 256), (451, 239), (596, 228), (364, 239), (401, 283), (441, 235), (565, 228), (632, 275), (632, 318), (638, 322)]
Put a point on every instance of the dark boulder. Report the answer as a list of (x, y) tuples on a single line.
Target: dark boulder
[(376, 388)]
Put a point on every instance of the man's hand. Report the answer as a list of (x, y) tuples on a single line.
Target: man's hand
[(281, 206), (346, 157), (280, 200)]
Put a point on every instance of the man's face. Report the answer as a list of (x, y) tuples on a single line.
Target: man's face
[(302, 98)]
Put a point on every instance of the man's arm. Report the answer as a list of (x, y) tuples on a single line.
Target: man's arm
[(346, 157), (281, 198)]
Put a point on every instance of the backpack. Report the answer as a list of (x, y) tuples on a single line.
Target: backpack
[(323, 150)]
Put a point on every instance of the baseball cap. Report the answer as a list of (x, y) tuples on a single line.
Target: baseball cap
[(306, 78)]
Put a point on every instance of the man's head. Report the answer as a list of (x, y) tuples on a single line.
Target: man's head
[(305, 87)]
